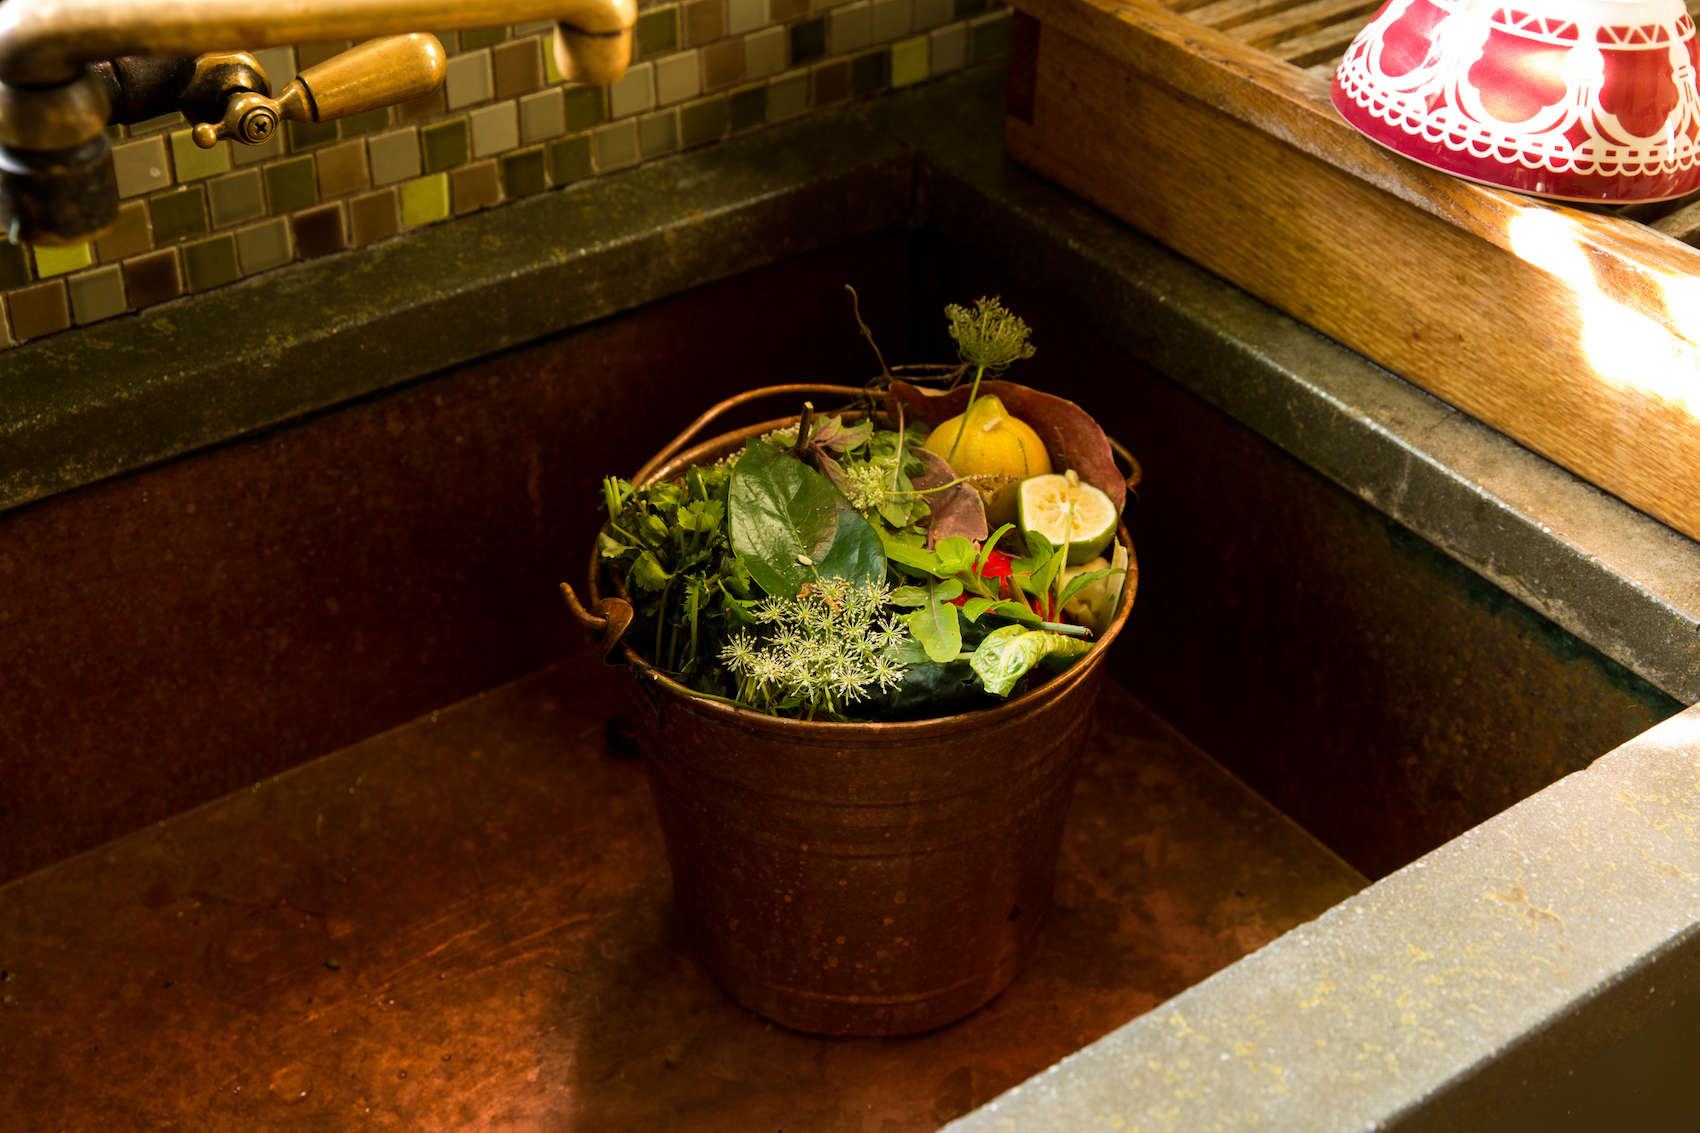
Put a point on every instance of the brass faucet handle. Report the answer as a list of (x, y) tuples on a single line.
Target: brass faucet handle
[(380, 72)]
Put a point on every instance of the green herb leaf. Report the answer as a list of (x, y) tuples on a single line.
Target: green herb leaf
[(911, 555), (1078, 583), (935, 625), (609, 547), (791, 525), (1010, 652), (956, 554), (647, 573)]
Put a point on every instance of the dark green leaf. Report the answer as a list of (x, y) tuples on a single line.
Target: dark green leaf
[(791, 525)]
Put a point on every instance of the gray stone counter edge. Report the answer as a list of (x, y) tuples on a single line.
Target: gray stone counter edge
[(116, 396), (1541, 972)]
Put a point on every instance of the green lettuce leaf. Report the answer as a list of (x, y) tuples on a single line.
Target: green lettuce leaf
[(1010, 652)]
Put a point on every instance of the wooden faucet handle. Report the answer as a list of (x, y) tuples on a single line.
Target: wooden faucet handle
[(377, 73)]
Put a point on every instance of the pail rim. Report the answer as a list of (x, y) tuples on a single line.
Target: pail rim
[(716, 447)]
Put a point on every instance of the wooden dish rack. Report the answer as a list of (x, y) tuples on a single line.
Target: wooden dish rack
[(1207, 124)]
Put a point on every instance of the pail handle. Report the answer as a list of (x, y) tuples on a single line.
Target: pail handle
[(1134, 473), (607, 619), (677, 444)]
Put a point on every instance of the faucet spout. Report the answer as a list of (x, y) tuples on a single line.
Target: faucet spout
[(49, 41), (56, 180)]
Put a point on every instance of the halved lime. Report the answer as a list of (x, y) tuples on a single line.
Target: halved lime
[(1064, 510)]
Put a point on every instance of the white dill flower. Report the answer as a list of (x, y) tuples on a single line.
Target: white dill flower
[(738, 653), (817, 651), (865, 486), (887, 672)]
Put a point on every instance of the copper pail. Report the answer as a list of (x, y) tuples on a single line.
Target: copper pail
[(860, 878)]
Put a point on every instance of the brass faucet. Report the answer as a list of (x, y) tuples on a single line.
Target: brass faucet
[(68, 68)]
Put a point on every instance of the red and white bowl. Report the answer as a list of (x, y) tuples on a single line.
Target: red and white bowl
[(1580, 100)]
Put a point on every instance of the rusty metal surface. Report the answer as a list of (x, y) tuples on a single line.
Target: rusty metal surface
[(171, 636), (465, 923)]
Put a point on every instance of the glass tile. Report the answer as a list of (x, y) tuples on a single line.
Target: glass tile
[(469, 80), (393, 156), (524, 173), (15, 264), (495, 129), (236, 198), (290, 185), (748, 107), (542, 116), (141, 166), (518, 67), (96, 295), (425, 200), (657, 32), (703, 122), (569, 159), (808, 40), (39, 310), (57, 261), (870, 73), (304, 136), (210, 263), (192, 163), (473, 187), (616, 145), (445, 144), (909, 61), (318, 231), (658, 134), (153, 278), (374, 216), (585, 106), (264, 246), (179, 214), (677, 78)]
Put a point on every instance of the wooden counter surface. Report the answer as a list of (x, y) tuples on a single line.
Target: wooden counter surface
[(465, 923)]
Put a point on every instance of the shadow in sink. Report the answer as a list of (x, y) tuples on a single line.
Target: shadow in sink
[(1170, 870)]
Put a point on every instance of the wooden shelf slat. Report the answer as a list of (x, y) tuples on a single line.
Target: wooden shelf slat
[(1277, 32), (1500, 304)]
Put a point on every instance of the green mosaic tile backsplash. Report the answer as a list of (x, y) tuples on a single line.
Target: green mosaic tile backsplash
[(505, 126)]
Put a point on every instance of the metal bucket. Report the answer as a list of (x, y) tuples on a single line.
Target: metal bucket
[(859, 879)]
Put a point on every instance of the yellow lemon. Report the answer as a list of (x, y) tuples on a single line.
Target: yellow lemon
[(998, 450)]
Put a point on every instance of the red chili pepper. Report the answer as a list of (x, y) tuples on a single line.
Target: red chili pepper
[(999, 566)]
